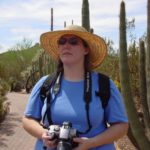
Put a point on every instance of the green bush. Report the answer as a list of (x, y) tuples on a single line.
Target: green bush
[(13, 62), (4, 106)]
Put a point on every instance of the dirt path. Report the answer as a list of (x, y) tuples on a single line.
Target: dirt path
[(12, 135)]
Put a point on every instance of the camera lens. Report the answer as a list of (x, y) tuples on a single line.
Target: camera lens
[(64, 145)]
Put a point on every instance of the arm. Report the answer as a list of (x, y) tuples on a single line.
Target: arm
[(114, 132), (33, 127), (33, 110)]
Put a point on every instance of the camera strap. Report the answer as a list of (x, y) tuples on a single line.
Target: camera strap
[(87, 99)]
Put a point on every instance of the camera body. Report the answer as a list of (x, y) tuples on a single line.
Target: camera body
[(64, 135)]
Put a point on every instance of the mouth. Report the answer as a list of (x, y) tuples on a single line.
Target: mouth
[(66, 53)]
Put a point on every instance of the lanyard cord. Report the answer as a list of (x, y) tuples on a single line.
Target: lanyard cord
[(87, 99)]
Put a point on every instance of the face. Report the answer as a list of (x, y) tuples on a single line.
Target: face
[(72, 51)]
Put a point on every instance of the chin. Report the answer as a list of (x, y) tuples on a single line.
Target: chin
[(66, 61)]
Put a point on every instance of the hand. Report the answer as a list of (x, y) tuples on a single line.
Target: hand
[(83, 143), (48, 140)]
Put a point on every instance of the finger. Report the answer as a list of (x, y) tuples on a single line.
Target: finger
[(50, 144), (48, 136), (78, 140)]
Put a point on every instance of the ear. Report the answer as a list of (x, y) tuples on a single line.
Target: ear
[(87, 49)]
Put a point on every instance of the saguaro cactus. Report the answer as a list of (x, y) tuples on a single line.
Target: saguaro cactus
[(135, 126), (143, 88), (41, 65), (51, 19), (85, 15), (72, 22), (64, 23), (148, 55)]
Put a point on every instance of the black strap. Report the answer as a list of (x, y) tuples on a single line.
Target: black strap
[(104, 89), (45, 94), (87, 99), (46, 86), (48, 110)]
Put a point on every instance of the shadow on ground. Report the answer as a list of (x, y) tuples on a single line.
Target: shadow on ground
[(7, 127)]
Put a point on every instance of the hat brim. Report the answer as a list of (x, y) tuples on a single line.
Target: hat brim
[(98, 47)]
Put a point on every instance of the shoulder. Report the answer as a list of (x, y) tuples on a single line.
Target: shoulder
[(104, 81), (39, 83), (98, 75), (42, 79)]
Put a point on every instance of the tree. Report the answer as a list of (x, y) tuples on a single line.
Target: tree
[(22, 45)]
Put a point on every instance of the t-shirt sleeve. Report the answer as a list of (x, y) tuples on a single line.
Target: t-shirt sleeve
[(115, 110), (34, 105)]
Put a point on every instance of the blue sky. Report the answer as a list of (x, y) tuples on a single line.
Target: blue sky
[(30, 18)]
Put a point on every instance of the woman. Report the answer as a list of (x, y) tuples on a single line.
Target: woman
[(78, 53)]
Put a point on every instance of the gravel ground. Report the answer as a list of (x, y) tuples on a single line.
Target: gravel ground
[(125, 144), (12, 134)]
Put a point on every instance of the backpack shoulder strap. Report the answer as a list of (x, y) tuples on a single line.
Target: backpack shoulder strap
[(104, 89), (46, 86), (45, 93)]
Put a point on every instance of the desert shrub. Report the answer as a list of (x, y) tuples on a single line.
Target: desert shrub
[(4, 106), (16, 85)]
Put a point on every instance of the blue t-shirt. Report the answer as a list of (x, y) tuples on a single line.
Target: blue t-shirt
[(69, 105)]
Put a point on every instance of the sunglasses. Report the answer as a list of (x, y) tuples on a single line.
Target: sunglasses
[(71, 41)]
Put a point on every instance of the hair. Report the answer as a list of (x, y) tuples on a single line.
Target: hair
[(59, 67), (86, 63), (84, 43), (86, 59)]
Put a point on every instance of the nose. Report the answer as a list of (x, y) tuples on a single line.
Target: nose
[(67, 45)]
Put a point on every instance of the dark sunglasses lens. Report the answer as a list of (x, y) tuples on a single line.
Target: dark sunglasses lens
[(62, 41), (73, 41)]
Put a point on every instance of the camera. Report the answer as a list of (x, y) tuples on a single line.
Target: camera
[(64, 135)]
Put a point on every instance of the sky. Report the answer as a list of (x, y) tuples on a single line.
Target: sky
[(28, 19)]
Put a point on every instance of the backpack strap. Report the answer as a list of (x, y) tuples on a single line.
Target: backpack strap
[(46, 86), (45, 94), (104, 89)]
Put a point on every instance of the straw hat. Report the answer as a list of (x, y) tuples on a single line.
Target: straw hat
[(98, 47)]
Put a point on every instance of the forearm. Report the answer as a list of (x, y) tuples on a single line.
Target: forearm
[(33, 127), (113, 133)]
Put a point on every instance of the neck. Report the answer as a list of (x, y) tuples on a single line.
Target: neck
[(74, 73)]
